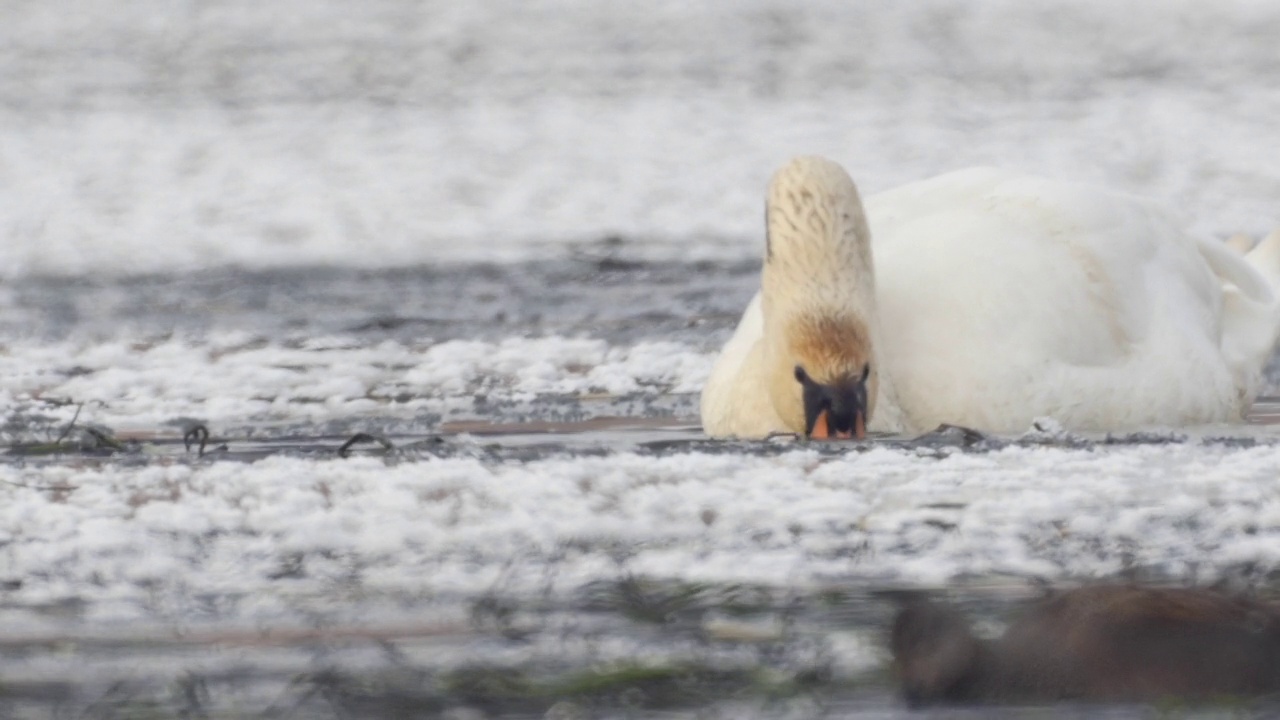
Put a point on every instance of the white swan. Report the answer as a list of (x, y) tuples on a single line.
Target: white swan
[(996, 298)]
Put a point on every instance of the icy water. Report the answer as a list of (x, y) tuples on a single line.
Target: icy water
[(503, 241)]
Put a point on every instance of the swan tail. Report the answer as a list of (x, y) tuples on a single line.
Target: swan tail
[(1265, 258), (1241, 243), (1257, 283), (1250, 308)]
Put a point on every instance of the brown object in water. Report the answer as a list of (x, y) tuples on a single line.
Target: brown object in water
[(1107, 642)]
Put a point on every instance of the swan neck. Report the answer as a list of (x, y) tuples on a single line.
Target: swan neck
[(818, 288)]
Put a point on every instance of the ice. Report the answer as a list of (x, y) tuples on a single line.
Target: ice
[(155, 382), (451, 526)]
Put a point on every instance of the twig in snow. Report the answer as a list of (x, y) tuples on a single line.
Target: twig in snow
[(345, 451)]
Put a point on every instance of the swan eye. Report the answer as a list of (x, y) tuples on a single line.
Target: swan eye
[(802, 377)]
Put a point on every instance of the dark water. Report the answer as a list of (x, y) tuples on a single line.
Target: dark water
[(693, 651), (596, 292)]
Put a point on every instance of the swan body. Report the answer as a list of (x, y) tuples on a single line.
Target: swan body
[(988, 298)]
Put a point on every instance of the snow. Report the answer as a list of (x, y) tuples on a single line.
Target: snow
[(228, 378), (146, 539)]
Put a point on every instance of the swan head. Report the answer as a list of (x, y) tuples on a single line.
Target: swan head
[(818, 301), (837, 410), (830, 393)]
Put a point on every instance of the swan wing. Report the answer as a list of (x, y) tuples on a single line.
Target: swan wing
[(734, 402), (1004, 297)]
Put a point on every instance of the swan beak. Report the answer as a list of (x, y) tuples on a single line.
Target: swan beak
[(822, 428), (837, 411)]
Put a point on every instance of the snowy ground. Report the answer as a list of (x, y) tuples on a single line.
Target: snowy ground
[(296, 221)]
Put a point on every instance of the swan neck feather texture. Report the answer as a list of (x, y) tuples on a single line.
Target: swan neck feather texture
[(818, 285)]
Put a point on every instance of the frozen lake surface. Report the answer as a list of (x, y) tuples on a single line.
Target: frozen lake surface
[(508, 238)]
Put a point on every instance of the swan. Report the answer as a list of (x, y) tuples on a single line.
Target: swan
[(988, 299)]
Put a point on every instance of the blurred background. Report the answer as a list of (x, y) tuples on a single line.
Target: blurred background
[(157, 135)]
